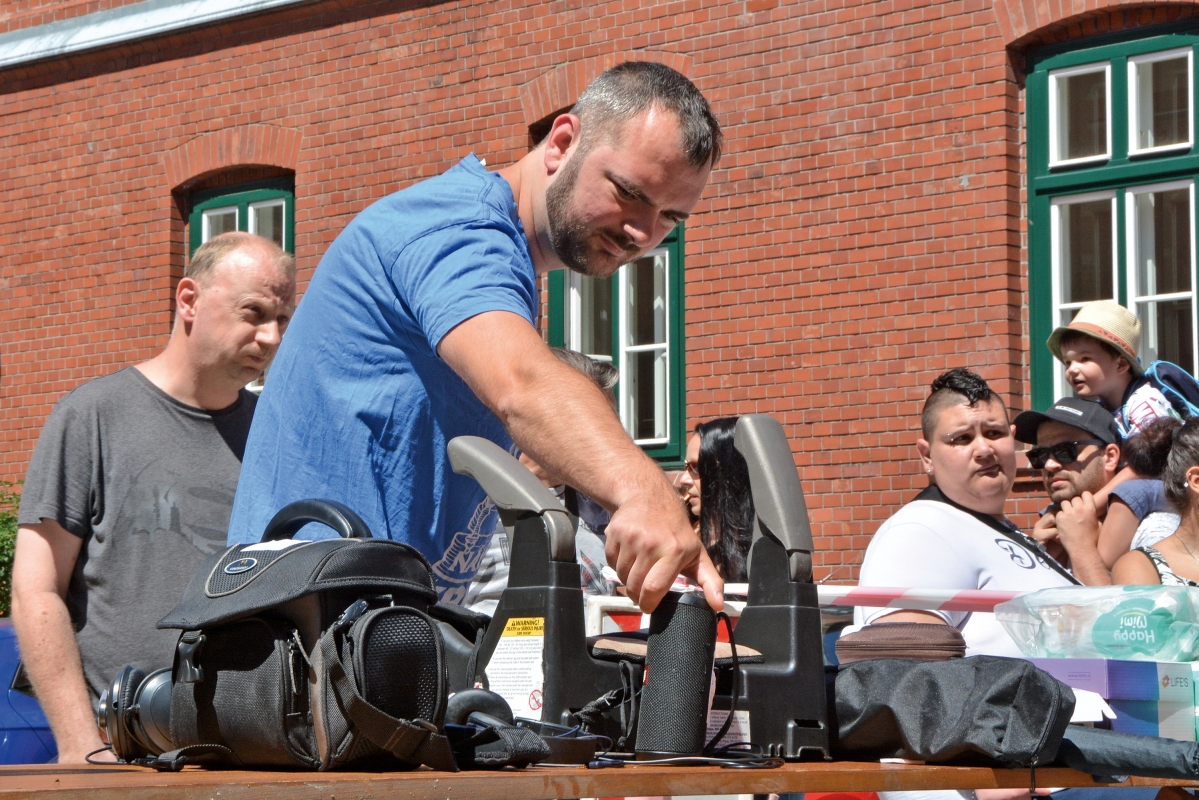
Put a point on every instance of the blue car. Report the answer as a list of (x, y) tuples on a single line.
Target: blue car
[(25, 736)]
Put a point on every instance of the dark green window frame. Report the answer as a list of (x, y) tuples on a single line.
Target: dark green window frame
[(242, 197), (671, 452), (1117, 174)]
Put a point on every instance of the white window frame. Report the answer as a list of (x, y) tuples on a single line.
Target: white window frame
[(1067, 72), (1055, 232), (625, 349), (1134, 63), (254, 208), (574, 316), (1135, 299), (206, 234)]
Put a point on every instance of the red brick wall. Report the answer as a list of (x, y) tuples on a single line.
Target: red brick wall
[(862, 234)]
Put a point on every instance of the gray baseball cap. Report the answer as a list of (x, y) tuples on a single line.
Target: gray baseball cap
[(1076, 411)]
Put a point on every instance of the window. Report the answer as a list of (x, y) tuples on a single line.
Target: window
[(1111, 200), (266, 208), (634, 320)]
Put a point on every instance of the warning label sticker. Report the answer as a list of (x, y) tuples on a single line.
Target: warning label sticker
[(525, 626), (738, 730), (516, 671)]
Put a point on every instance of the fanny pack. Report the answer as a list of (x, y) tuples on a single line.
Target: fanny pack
[(305, 654)]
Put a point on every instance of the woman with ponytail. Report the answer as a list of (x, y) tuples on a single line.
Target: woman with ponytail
[(1173, 561)]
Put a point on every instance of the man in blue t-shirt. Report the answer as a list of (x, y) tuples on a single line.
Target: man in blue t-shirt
[(419, 325)]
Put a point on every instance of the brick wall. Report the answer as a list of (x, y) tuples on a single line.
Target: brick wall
[(862, 234)]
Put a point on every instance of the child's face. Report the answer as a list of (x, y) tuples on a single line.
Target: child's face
[(1091, 370)]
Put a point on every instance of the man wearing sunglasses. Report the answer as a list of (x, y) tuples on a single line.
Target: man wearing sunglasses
[(1077, 448)]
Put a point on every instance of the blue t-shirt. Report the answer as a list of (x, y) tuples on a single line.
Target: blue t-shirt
[(358, 407)]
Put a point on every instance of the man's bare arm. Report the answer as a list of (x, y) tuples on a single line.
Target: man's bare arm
[(563, 421), (45, 558)]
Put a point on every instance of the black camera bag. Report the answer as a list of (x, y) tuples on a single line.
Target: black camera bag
[(309, 654)]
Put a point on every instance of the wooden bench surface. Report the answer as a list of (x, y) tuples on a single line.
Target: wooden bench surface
[(135, 783)]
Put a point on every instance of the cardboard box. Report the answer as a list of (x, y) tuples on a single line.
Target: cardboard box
[(1152, 698), (1162, 681)]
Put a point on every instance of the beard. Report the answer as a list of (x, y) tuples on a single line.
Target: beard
[(570, 235)]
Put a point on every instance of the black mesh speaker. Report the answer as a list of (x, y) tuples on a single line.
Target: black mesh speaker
[(674, 703), (399, 664)]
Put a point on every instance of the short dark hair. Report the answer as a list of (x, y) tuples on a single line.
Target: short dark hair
[(628, 89), (954, 388)]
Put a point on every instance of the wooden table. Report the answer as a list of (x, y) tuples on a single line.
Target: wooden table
[(135, 783)]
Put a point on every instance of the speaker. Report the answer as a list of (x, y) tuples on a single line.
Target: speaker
[(673, 720)]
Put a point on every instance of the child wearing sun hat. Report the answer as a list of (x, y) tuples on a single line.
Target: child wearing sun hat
[(1099, 350)]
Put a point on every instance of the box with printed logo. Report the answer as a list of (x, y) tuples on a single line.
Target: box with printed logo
[(1159, 681), (1152, 698)]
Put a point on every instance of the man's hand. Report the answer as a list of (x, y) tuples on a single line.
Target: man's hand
[(1078, 522), (42, 567), (1078, 530), (648, 561), (563, 421)]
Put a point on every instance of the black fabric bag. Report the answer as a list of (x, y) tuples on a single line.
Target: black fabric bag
[(982, 709), (311, 655)]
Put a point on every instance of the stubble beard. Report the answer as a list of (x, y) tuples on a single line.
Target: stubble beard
[(569, 235)]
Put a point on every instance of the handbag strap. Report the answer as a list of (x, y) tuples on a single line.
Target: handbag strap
[(416, 741), (934, 493)]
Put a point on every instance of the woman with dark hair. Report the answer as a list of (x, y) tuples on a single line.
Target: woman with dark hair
[(716, 487), (1174, 561), (1138, 513)]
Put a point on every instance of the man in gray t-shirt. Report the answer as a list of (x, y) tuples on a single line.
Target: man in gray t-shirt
[(131, 485)]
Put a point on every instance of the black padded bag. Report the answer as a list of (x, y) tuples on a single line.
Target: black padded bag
[(316, 655)]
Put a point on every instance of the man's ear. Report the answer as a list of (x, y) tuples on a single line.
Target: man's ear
[(1111, 459), (186, 295), (563, 136), (926, 461)]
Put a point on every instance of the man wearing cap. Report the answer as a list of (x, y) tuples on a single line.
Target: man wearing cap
[(1077, 449), (1099, 351)]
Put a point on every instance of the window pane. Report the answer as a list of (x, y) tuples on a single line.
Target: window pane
[(1086, 251), (218, 221), (266, 220), (595, 316), (1162, 103), (1166, 332), (647, 299), (1082, 115), (1163, 242), (647, 394)]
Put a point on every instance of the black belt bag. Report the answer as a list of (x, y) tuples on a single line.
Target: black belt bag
[(310, 655)]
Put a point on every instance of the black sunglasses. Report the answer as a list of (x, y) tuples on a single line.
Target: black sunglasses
[(1062, 452)]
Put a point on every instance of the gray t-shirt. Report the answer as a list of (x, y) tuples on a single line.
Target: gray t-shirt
[(147, 482)]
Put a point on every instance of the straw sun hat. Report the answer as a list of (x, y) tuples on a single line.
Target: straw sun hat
[(1110, 323)]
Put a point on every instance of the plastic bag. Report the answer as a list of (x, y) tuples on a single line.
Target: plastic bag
[(1137, 623)]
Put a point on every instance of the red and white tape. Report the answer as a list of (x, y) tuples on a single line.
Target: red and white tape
[(922, 599)]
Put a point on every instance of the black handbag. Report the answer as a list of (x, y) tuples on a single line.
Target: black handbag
[(309, 654)]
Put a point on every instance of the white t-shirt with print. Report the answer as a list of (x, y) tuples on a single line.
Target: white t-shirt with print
[(1144, 405), (932, 545)]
